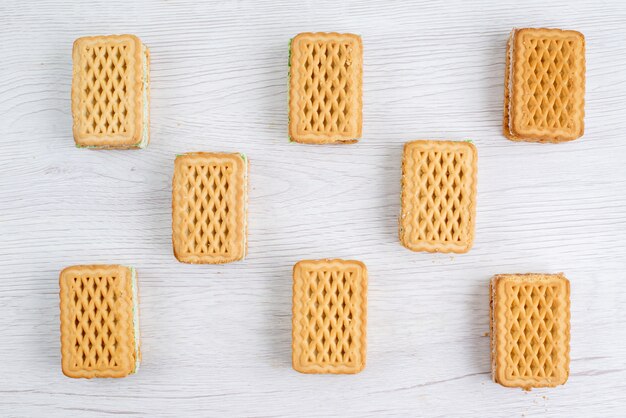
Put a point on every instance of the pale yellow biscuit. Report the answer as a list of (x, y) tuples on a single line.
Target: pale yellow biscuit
[(99, 321), (438, 202), (329, 316), (110, 92), (325, 98), (209, 207), (530, 329), (544, 97)]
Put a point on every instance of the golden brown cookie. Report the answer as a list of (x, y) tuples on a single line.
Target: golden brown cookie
[(110, 92), (530, 329), (209, 207), (99, 321), (325, 99), (329, 316), (544, 99), (438, 203)]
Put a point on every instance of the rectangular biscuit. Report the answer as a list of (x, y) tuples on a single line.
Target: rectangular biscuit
[(110, 92), (329, 316), (99, 321), (438, 202), (530, 329), (544, 98), (325, 99), (209, 207)]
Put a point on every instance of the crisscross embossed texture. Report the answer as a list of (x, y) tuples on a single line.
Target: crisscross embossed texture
[(438, 196), (97, 330), (107, 91), (544, 85), (329, 316), (325, 88), (209, 197), (530, 329)]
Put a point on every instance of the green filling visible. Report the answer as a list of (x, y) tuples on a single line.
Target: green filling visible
[(135, 317), (468, 140), (290, 41)]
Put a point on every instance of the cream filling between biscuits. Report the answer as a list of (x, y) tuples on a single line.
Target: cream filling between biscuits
[(510, 86), (145, 115), (135, 318), (494, 361), (245, 204)]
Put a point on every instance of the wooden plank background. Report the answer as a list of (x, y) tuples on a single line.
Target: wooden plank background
[(216, 339)]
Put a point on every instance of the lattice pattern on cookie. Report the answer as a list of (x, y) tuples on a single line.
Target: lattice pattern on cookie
[(325, 88), (106, 86), (97, 329), (438, 196), (107, 91), (209, 197), (547, 85), (329, 316), (530, 330)]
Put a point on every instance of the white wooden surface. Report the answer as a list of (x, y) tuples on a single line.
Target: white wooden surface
[(216, 339)]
